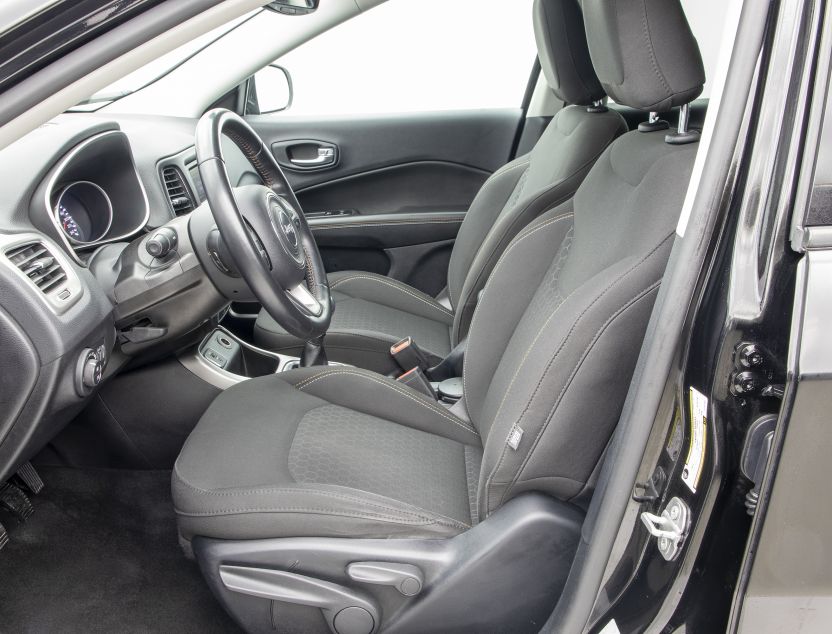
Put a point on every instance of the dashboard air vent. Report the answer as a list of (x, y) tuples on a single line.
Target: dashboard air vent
[(38, 265), (178, 194)]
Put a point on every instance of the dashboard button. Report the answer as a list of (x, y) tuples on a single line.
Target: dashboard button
[(89, 371)]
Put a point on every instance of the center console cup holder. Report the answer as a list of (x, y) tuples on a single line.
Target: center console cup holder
[(223, 359)]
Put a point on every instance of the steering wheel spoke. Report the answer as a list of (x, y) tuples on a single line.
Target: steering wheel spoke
[(305, 299)]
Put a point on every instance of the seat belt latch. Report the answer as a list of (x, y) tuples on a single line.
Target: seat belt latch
[(418, 380), (408, 355)]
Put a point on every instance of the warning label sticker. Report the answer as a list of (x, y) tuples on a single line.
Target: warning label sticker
[(695, 460)]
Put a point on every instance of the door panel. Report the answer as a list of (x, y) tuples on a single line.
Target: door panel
[(480, 139), (409, 166)]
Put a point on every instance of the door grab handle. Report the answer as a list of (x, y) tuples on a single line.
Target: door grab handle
[(325, 155)]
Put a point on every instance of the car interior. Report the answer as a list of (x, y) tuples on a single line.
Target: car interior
[(346, 376)]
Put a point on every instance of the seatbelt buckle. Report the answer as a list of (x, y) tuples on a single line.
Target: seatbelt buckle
[(407, 354), (418, 380)]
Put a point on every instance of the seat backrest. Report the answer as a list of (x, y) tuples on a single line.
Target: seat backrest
[(555, 338), (528, 186)]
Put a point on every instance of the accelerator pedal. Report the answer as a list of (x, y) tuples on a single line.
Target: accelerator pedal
[(15, 501), (30, 479), (4, 537)]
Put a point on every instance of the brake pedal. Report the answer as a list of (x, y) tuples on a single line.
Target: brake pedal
[(15, 501), (30, 478)]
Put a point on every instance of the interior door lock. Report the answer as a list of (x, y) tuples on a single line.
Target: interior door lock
[(670, 528)]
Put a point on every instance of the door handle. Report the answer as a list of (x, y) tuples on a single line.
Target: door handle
[(326, 156), (306, 155)]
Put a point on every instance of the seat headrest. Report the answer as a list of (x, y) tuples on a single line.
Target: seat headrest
[(644, 52), (563, 52)]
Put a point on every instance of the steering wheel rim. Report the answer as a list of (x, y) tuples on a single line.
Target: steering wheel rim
[(264, 228)]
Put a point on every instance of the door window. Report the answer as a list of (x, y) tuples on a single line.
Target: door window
[(417, 55)]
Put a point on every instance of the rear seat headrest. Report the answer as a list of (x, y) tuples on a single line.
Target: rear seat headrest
[(563, 52), (644, 52)]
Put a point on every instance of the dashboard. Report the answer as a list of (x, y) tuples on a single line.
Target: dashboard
[(76, 193)]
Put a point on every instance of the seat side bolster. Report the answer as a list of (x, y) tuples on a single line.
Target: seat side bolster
[(386, 291), (484, 211), (571, 145), (376, 395), (299, 510)]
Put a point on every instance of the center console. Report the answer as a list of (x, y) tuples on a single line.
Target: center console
[(222, 359)]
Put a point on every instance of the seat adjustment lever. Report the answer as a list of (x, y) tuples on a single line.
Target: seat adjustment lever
[(346, 611), (406, 578)]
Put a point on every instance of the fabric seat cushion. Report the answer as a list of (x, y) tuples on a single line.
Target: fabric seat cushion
[(372, 312), (327, 452)]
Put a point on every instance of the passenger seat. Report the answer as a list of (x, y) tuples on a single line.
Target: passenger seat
[(373, 312)]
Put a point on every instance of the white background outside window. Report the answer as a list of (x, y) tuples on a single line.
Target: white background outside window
[(417, 55), (428, 55)]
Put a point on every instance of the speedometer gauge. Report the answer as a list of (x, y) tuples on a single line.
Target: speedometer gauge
[(84, 212), (68, 223)]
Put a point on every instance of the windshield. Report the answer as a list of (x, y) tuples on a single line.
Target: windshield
[(156, 69)]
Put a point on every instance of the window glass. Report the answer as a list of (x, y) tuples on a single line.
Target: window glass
[(417, 55)]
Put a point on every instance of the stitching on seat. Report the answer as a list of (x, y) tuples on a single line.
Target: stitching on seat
[(388, 341), (597, 298), (641, 294), (334, 512), (303, 385), (328, 373), (546, 190), (505, 169), (517, 240), (491, 180), (392, 223), (233, 491), (464, 303), (381, 280), (656, 69)]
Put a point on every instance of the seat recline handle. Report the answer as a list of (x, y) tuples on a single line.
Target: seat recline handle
[(406, 578), (346, 611)]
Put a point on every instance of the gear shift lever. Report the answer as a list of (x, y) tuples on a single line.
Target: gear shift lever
[(313, 353)]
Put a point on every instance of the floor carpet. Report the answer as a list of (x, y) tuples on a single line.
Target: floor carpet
[(100, 554)]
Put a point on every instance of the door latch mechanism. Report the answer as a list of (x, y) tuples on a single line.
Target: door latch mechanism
[(670, 528)]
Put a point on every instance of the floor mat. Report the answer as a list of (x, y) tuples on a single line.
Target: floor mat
[(100, 554)]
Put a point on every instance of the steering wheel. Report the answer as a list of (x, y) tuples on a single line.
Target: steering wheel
[(264, 228)]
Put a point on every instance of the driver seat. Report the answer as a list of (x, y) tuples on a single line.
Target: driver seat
[(373, 312), (290, 481)]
